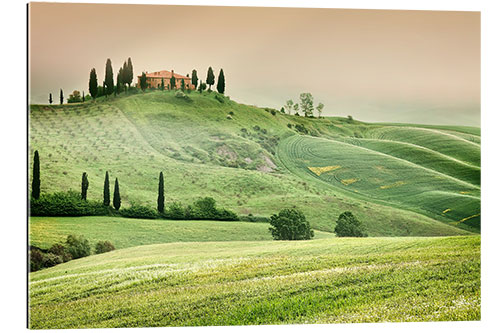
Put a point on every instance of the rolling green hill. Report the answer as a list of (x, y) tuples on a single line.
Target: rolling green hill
[(266, 282), (123, 232), (400, 180)]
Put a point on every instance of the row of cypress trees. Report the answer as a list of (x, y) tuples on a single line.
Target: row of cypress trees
[(35, 187)]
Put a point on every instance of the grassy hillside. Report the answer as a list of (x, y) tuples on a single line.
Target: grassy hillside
[(123, 232), (234, 283), (238, 154)]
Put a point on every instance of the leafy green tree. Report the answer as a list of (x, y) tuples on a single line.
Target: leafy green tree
[(296, 108), (93, 83), (349, 226), (117, 201), (74, 97), (142, 81), (289, 106), (161, 194), (221, 82), (194, 78), (106, 192), (172, 82), (50, 98), (35, 184), (290, 224), (85, 186), (61, 97), (108, 78), (319, 108), (210, 78), (183, 85), (306, 104), (202, 87)]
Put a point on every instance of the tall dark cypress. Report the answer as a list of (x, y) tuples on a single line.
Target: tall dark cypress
[(108, 78), (210, 78), (130, 72), (194, 78), (142, 81), (172, 82), (61, 97), (35, 185), (117, 201), (93, 83), (161, 194), (85, 186), (50, 98), (106, 200), (221, 82)]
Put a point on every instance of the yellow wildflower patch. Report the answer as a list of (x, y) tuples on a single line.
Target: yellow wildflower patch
[(468, 218), (396, 184), (319, 170), (446, 210), (349, 181), (464, 192)]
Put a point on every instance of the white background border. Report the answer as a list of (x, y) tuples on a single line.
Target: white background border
[(13, 163)]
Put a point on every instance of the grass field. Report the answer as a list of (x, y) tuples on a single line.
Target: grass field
[(123, 232), (203, 153), (234, 283)]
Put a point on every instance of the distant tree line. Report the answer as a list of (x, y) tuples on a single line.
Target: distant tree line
[(306, 106), (76, 204)]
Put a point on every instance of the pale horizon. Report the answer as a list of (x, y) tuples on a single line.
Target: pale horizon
[(376, 65)]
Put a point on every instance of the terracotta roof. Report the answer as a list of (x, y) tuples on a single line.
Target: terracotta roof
[(165, 74)]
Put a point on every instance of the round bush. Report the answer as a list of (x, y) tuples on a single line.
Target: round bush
[(103, 246), (78, 246), (349, 226)]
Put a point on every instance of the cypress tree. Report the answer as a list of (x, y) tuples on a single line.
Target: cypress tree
[(106, 190), (130, 72), (142, 81), (83, 96), (221, 82), (93, 83), (61, 96), (183, 85), (119, 82), (35, 185), (162, 87), (210, 78), (116, 196), (172, 82), (161, 194), (85, 186), (194, 78), (50, 98), (108, 78)]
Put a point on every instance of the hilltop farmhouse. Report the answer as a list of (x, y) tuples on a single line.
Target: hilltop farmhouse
[(153, 80)]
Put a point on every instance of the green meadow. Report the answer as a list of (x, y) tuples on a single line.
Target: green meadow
[(329, 280), (416, 189)]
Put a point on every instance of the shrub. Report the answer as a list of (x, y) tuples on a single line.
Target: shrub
[(51, 259), (103, 246), (204, 209), (290, 224), (78, 246), (219, 98), (175, 211), (61, 251), (36, 259), (183, 96), (65, 204), (226, 215), (349, 226), (301, 128), (139, 212), (253, 218)]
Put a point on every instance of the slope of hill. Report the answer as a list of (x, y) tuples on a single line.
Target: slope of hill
[(243, 157), (123, 232), (266, 282)]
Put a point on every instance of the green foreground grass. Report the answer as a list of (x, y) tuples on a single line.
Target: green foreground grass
[(275, 282), (125, 232)]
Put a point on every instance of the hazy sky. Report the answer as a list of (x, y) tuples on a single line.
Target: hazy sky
[(376, 65)]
